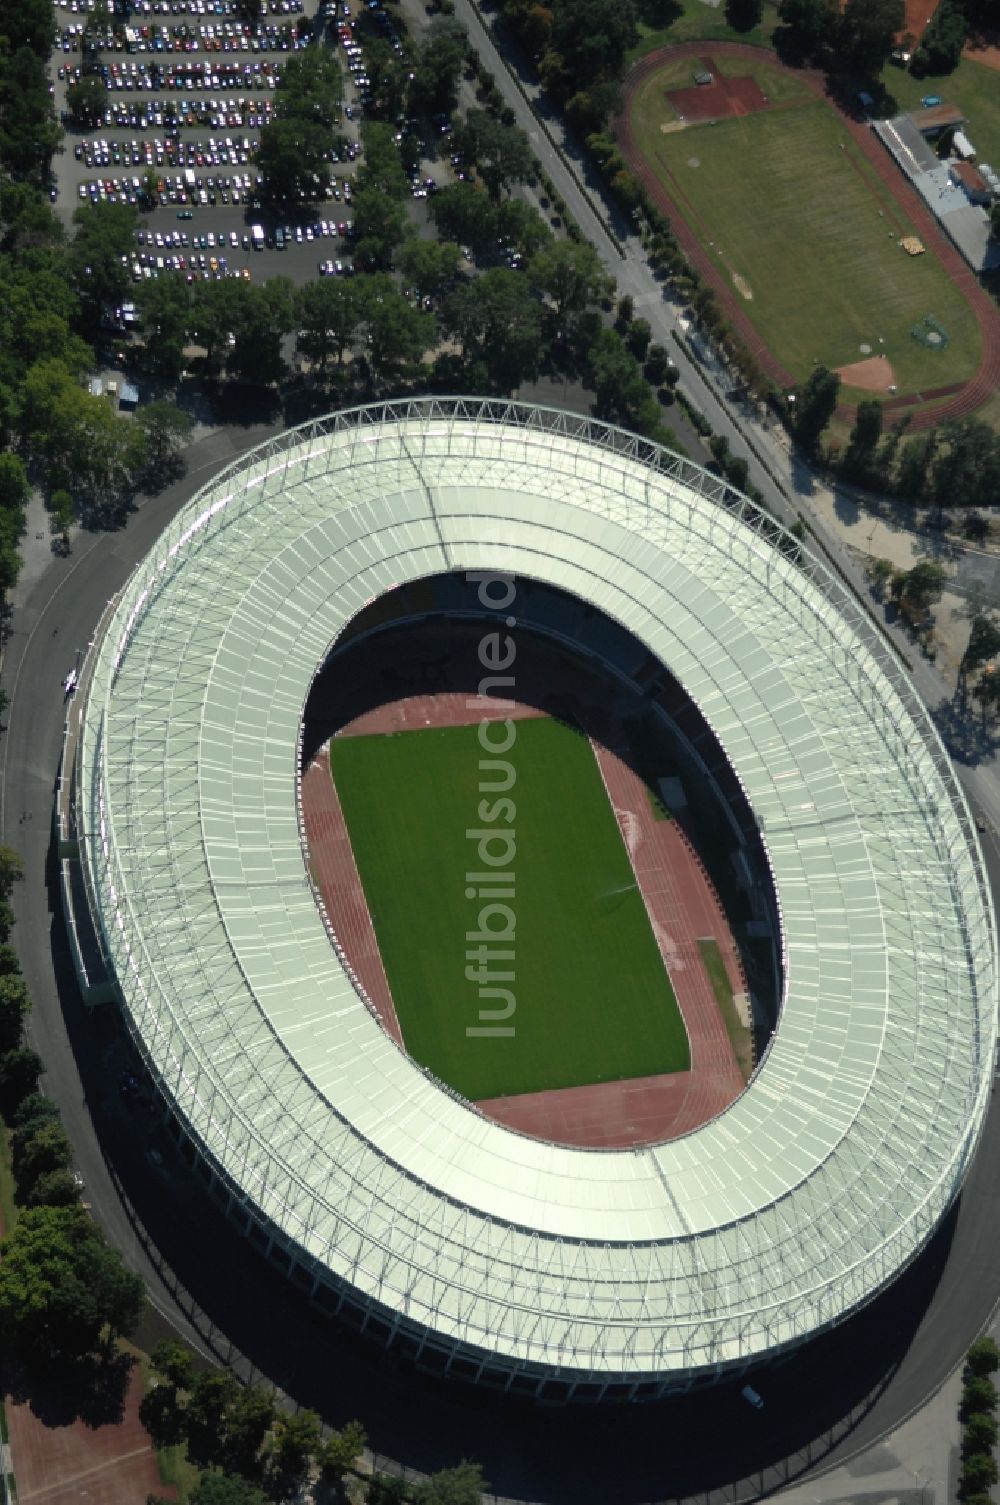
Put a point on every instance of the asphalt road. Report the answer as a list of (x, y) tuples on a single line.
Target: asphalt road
[(836, 1397)]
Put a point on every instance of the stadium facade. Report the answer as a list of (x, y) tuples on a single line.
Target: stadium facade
[(558, 1272)]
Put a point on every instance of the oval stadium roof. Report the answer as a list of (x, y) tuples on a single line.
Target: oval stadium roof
[(818, 1184)]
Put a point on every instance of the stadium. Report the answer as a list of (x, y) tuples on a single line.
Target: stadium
[(554, 1271)]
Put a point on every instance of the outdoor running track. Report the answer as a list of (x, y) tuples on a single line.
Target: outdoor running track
[(961, 401), (681, 903)]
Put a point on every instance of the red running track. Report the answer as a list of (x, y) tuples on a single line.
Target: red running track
[(682, 905), (973, 393)]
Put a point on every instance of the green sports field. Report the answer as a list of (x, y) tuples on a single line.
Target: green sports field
[(804, 231), (593, 1000)]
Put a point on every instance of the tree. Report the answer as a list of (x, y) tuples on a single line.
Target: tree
[(29, 135), (966, 468), (32, 1113), (867, 33), (164, 305), (430, 266), (101, 252), (11, 871), (462, 1485), (980, 1433), (379, 226), (205, 1417), (864, 439), (590, 41), (29, 24), (14, 1005), (382, 169), (162, 1414), (291, 157), (464, 214), (979, 1473), (984, 644), (815, 405), (166, 428), (9, 964), (807, 29), (79, 438), (54, 1189), (226, 1489), (983, 1357), (501, 153), (19, 1073), (497, 321), (174, 1362), (940, 49), (915, 465), (987, 692), (37, 1153), (920, 587), (61, 1287), (397, 333), (881, 573), (341, 1451), (311, 88), (438, 64), (62, 516), (570, 274), (385, 1489), (522, 226), (637, 338), (388, 79), (14, 485), (328, 316), (216, 309), (622, 394), (296, 1438), (250, 1418), (744, 15), (86, 101)]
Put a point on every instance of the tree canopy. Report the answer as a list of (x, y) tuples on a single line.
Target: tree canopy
[(61, 1287)]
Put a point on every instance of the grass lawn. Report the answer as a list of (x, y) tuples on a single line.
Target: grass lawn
[(594, 1002), (740, 1037), (698, 20), (793, 215), (8, 1207)]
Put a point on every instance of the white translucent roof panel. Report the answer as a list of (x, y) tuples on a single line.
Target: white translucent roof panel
[(799, 1202)]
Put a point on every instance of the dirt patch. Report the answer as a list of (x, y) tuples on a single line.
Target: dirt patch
[(987, 53), (669, 126), (918, 14), (109, 1465), (716, 101), (742, 286), (874, 374)]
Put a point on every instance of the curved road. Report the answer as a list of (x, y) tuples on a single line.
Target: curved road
[(825, 1404)]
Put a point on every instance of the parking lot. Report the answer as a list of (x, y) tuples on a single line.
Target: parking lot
[(200, 144)]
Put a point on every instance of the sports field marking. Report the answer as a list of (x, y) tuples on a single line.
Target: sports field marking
[(593, 999), (784, 200)]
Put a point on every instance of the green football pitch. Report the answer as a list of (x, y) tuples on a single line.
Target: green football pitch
[(593, 999), (804, 230)]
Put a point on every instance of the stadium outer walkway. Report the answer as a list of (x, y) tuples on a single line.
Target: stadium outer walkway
[(680, 900), (958, 404)]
